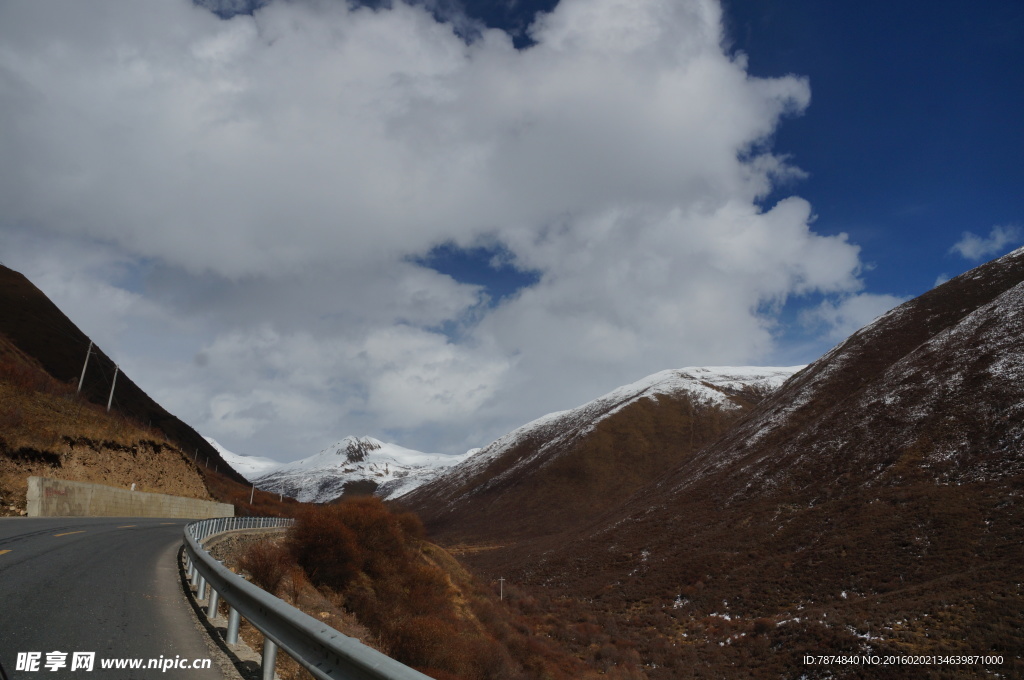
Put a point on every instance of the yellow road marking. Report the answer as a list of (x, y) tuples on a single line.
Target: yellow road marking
[(128, 526), (168, 522), (4, 552), (70, 532)]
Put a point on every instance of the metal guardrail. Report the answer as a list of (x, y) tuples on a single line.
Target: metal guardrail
[(317, 647)]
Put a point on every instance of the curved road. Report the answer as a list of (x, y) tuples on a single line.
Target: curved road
[(96, 584)]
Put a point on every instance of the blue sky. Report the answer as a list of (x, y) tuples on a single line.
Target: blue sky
[(295, 221), (913, 134)]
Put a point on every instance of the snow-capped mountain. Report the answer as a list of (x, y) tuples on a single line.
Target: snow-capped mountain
[(361, 464), (249, 467), (720, 386), (571, 464)]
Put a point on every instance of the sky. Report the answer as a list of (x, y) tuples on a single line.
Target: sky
[(291, 221)]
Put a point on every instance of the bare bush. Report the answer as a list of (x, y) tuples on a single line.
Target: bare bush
[(325, 548), (267, 563)]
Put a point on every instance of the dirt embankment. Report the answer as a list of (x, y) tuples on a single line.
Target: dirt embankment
[(152, 466)]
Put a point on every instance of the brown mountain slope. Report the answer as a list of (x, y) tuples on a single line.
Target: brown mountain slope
[(42, 331), (873, 505), (557, 474)]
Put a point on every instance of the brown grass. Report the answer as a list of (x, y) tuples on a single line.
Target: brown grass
[(37, 411)]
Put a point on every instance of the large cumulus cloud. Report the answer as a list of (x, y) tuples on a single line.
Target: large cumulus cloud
[(272, 178)]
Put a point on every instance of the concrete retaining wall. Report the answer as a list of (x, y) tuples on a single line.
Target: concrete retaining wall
[(60, 498)]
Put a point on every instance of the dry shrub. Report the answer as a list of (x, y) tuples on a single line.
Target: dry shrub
[(372, 558), (378, 532), (267, 563), (325, 548), (425, 611)]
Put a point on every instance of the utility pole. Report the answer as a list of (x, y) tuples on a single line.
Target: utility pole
[(251, 493), (112, 383), (501, 588), (80, 380)]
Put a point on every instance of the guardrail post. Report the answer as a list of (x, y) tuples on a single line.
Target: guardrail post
[(269, 658), (234, 620), (201, 592), (211, 610)]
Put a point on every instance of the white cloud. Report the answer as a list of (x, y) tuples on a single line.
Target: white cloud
[(850, 313), (415, 377), (974, 247), (271, 176)]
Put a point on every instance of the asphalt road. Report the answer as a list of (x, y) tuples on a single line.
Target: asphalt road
[(103, 585)]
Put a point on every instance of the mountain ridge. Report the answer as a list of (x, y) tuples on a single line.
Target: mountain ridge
[(872, 377), (576, 462)]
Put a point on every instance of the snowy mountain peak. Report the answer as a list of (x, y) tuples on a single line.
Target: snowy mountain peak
[(356, 464), (358, 448)]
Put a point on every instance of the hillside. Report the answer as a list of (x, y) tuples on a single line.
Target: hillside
[(36, 327), (561, 471), (873, 504), (46, 429)]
